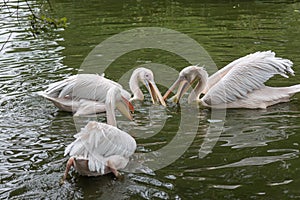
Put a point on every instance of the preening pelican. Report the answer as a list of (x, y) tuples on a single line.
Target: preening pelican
[(101, 148), (240, 84), (85, 94)]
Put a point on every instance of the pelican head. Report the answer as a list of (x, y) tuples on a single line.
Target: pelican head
[(114, 99), (187, 77), (146, 77)]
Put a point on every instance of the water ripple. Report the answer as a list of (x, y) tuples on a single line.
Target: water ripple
[(256, 155)]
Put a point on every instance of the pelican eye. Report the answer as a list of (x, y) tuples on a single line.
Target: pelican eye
[(184, 77)]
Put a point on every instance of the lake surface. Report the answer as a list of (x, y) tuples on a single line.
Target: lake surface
[(254, 153)]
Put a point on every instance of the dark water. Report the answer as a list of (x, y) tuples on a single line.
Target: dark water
[(256, 155)]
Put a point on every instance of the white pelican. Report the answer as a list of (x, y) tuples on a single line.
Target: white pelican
[(101, 148), (240, 84), (85, 94)]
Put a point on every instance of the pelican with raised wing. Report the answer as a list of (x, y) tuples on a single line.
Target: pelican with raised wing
[(101, 148), (240, 84), (85, 94)]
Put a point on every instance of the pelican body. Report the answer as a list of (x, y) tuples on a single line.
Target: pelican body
[(101, 148), (85, 94), (240, 84)]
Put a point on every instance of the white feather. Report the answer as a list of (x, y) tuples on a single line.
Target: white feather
[(97, 141), (245, 75), (240, 84), (92, 90)]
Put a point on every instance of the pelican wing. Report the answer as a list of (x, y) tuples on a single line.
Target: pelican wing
[(84, 86), (245, 75), (88, 86), (96, 141), (54, 89)]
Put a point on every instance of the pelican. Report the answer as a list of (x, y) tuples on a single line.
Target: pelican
[(240, 84), (101, 148), (85, 94)]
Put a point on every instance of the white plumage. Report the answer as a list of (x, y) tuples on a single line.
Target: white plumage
[(240, 84), (97, 142), (86, 93), (101, 148)]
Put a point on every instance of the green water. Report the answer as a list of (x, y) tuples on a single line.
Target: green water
[(256, 155)]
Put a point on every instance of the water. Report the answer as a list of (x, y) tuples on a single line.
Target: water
[(256, 156)]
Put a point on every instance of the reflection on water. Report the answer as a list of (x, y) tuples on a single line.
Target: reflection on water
[(256, 155), (254, 128)]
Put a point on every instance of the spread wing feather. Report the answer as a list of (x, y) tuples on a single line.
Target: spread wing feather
[(84, 86), (245, 75), (54, 89)]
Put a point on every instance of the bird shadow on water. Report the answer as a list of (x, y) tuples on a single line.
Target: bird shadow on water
[(260, 134), (256, 154), (253, 128)]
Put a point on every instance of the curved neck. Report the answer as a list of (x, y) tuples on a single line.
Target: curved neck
[(134, 87), (110, 112), (201, 85)]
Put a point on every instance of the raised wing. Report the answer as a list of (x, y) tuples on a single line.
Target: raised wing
[(245, 75), (54, 89), (96, 141), (84, 86), (87, 86)]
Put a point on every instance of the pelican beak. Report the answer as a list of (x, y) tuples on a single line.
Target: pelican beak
[(182, 88), (154, 92), (128, 103), (124, 106), (172, 88)]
